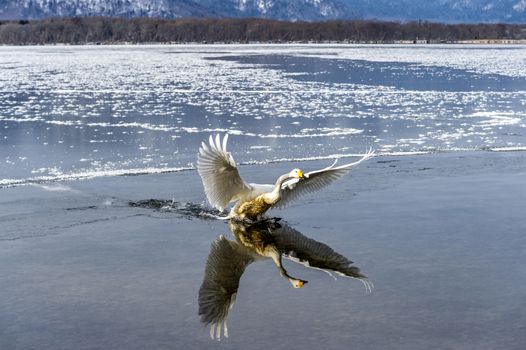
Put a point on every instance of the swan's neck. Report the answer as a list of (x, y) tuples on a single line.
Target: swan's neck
[(280, 182), (275, 195)]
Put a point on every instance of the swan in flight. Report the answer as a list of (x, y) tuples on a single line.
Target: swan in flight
[(224, 185), (228, 260)]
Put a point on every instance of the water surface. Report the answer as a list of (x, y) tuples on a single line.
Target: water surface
[(92, 260), (114, 110), (440, 236)]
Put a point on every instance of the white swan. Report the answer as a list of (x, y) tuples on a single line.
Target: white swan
[(223, 184)]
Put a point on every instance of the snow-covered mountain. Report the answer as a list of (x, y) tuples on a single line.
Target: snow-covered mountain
[(507, 11), (282, 9), (511, 11)]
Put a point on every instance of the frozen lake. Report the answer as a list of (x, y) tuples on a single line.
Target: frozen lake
[(144, 109), (436, 222)]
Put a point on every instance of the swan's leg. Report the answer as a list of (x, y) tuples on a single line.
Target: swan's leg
[(276, 257)]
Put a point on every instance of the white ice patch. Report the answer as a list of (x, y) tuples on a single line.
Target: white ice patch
[(335, 156), (499, 118), (133, 91), (508, 149), (84, 175)]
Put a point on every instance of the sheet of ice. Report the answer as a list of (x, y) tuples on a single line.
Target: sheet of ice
[(118, 109)]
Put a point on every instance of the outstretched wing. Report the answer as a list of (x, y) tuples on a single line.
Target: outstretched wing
[(295, 246), (315, 180), (219, 173), (224, 267)]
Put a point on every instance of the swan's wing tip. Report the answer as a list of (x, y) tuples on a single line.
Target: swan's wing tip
[(218, 172)]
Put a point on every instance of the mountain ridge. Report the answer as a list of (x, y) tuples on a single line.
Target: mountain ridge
[(447, 11)]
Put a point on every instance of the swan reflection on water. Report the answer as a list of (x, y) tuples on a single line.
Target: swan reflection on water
[(228, 259)]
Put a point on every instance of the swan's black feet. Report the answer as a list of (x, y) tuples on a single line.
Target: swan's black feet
[(269, 220)]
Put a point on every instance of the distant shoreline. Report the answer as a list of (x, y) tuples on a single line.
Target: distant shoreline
[(106, 30), (325, 43)]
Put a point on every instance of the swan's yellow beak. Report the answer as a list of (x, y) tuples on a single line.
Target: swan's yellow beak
[(300, 174)]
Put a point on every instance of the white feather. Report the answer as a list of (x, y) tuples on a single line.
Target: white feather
[(315, 180), (224, 185), (219, 173)]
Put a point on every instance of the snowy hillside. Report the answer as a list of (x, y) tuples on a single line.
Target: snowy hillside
[(511, 11)]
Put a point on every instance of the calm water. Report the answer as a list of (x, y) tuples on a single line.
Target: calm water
[(75, 112), (441, 236)]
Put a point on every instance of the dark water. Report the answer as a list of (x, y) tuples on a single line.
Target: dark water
[(440, 236), (403, 76)]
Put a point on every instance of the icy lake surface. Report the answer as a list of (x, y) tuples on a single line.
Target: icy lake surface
[(436, 222), (80, 112)]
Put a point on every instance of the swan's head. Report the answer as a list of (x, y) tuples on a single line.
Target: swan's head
[(296, 173), (296, 283)]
